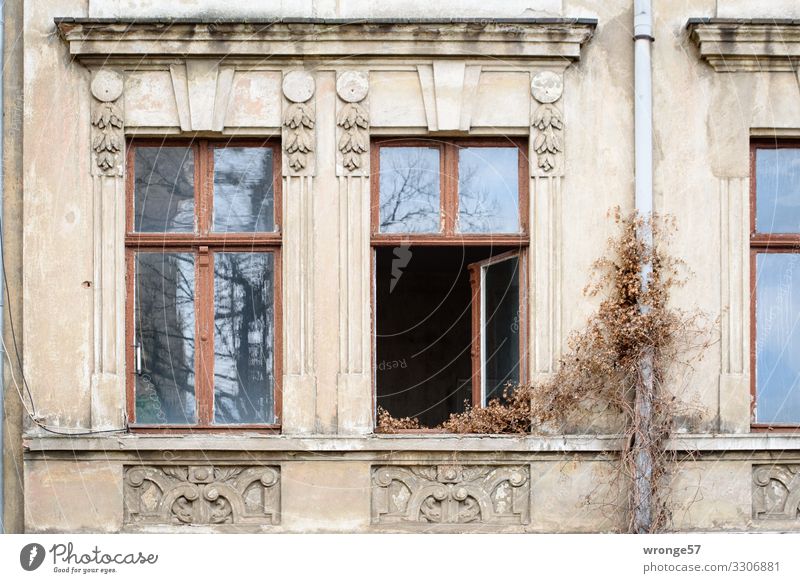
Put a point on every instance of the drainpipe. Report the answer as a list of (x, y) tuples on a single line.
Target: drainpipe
[(2, 291), (643, 172)]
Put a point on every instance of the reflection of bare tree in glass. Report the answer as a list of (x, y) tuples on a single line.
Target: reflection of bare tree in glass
[(243, 198), (409, 185), (165, 332), (410, 197), (243, 338), (164, 184), (476, 208)]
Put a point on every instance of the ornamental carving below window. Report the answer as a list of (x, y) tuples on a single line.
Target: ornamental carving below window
[(776, 491), (451, 494), (202, 495)]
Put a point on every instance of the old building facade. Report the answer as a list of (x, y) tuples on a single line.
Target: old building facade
[(333, 102)]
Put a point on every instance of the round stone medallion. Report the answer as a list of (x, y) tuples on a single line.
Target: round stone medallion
[(546, 86), (352, 86), (298, 86), (107, 85)]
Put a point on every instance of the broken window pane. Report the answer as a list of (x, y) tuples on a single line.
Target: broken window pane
[(243, 190), (488, 190), (163, 190), (778, 190), (244, 338), (777, 338), (164, 335), (409, 190), (501, 326)]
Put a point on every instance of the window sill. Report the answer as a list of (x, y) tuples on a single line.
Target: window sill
[(790, 428), (203, 429), (438, 442)]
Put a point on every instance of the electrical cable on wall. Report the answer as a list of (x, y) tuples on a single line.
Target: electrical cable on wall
[(31, 411)]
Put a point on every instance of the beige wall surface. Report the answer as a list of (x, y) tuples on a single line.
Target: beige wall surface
[(451, 83)]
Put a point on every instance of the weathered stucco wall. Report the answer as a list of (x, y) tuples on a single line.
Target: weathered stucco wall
[(345, 478)]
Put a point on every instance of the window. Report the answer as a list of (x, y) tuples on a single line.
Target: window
[(775, 283), (203, 257), (449, 234)]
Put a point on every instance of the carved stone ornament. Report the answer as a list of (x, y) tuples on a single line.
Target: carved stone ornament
[(352, 86), (298, 119), (776, 491), (547, 87), (353, 119), (107, 123), (298, 86), (548, 125), (202, 495), (451, 494)]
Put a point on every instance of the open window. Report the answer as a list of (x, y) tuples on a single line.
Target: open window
[(496, 336), (450, 240)]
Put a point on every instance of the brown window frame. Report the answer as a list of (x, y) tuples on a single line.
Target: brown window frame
[(203, 243), (448, 192), (765, 243)]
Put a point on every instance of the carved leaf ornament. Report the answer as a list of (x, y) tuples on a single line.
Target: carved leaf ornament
[(299, 120), (354, 141), (547, 119)]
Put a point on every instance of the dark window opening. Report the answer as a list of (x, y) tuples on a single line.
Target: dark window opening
[(447, 327)]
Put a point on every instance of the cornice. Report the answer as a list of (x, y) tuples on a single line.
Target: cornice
[(731, 45), (111, 39)]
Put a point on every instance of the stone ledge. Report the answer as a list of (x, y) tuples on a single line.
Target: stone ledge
[(746, 442), (731, 45), (111, 39)]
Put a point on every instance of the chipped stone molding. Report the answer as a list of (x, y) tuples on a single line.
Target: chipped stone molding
[(108, 204), (109, 39), (201, 495), (451, 494), (776, 492), (745, 443), (730, 44)]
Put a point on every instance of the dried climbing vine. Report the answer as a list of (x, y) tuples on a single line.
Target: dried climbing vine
[(635, 344)]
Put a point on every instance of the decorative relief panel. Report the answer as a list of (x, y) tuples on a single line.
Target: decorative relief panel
[(776, 491), (202, 495), (547, 123), (451, 494), (298, 123), (108, 136), (353, 124)]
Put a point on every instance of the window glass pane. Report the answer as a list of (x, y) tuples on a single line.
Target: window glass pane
[(165, 323), (488, 190), (244, 338), (501, 326), (778, 338), (163, 190), (243, 190), (778, 190), (409, 190)]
